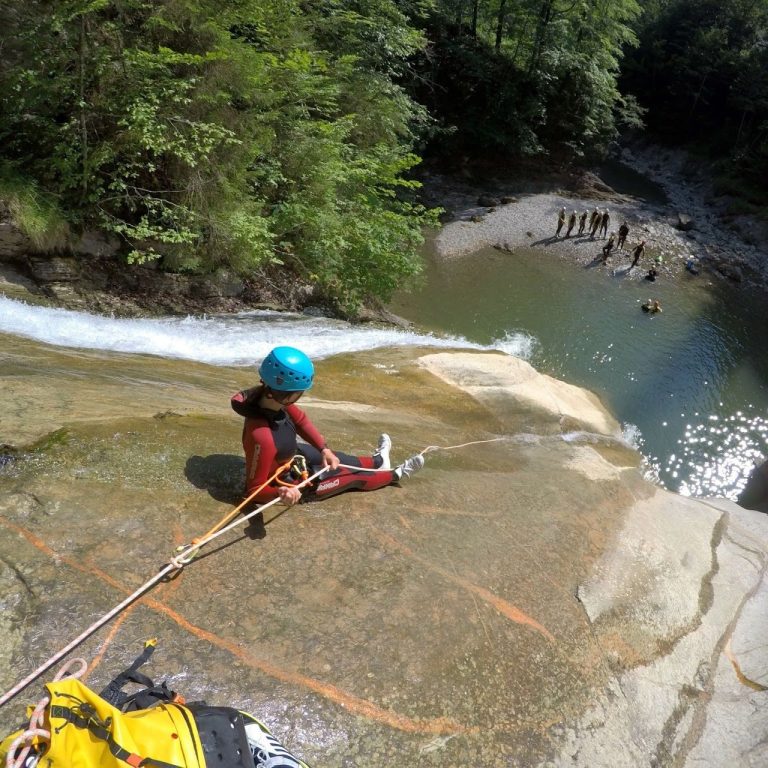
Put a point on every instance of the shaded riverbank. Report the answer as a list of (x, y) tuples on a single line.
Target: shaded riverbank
[(654, 187)]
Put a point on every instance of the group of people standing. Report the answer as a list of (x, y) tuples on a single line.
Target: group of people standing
[(598, 222)]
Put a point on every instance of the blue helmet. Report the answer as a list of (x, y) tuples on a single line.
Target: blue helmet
[(287, 369)]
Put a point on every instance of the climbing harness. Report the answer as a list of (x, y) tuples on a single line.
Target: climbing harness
[(297, 472), (152, 727)]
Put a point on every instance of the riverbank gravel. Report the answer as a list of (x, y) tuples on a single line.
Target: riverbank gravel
[(530, 221)]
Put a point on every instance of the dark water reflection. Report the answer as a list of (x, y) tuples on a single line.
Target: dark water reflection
[(690, 385)]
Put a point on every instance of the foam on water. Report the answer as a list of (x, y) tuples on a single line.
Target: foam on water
[(241, 339)]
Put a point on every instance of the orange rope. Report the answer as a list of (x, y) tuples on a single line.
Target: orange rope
[(231, 515)]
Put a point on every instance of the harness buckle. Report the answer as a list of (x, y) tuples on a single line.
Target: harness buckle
[(296, 473)]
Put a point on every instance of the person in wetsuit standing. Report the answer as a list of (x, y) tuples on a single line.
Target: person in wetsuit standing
[(273, 422)]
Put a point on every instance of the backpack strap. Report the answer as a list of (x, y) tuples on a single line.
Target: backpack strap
[(150, 695)]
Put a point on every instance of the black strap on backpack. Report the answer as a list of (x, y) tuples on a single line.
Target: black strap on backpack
[(147, 697)]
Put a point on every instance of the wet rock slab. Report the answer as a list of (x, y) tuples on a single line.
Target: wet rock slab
[(528, 600)]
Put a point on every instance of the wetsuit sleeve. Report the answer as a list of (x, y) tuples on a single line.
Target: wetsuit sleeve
[(305, 427), (260, 459)]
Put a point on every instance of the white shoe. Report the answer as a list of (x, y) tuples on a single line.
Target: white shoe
[(409, 466), (383, 449)]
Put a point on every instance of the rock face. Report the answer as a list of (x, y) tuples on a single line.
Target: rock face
[(527, 599), (490, 377), (755, 493)]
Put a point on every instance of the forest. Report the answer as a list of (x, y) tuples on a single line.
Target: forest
[(243, 134)]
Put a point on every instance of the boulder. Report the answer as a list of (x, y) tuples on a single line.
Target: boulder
[(527, 599), (228, 284), (487, 376), (96, 244), (755, 493), (65, 293), (730, 271), (487, 201)]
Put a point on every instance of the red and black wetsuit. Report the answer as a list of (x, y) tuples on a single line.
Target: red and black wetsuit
[(269, 440)]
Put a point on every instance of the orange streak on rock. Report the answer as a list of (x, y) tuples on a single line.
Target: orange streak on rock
[(108, 641), (499, 603), (404, 522), (506, 608), (353, 704), (30, 537)]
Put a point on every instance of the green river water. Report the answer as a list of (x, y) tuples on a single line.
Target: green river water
[(690, 385)]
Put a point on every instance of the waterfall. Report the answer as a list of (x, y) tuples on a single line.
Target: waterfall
[(241, 339)]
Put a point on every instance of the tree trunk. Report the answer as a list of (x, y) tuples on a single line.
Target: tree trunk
[(545, 16), (500, 24), (81, 94)]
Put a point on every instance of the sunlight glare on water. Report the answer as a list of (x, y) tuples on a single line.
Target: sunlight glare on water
[(718, 454)]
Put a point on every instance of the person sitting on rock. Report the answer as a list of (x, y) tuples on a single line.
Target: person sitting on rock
[(583, 222), (272, 423), (691, 266), (608, 247), (560, 221), (652, 274), (623, 232), (571, 224)]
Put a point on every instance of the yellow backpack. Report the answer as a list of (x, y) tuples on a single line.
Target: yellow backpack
[(86, 731)]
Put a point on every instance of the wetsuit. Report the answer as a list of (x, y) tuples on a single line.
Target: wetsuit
[(270, 439), (560, 222)]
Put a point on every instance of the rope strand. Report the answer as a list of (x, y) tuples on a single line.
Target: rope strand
[(176, 563), (188, 552)]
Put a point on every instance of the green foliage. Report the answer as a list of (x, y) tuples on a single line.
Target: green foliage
[(36, 214), (528, 77), (701, 70), (237, 133)]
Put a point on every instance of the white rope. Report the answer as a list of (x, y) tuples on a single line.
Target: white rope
[(37, 720), (177, 563), (428, 449)]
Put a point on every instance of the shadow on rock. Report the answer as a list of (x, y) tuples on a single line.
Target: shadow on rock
[(221, 474)]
